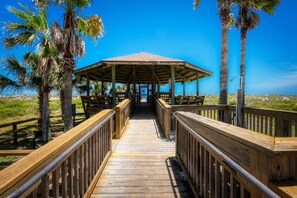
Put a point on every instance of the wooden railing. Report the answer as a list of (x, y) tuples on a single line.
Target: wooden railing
[(271, 122), (163, 112), (123, 113), (221, 160), (19, 130), (266, 121), (12, 135), (69, 165)]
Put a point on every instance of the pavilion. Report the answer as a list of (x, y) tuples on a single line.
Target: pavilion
[(143, 68)]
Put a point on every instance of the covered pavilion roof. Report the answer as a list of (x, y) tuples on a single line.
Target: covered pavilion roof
[(146, 67)]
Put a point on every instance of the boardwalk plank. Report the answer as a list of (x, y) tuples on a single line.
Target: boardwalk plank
[(142, 164)]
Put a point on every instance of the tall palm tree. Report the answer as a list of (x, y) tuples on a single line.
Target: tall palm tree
[(33, 30), (226, 20), (248, 19), (68, 40), (23, 75)]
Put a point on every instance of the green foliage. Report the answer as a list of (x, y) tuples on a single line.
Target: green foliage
[(270, 101), (233, 102), (18, 109), (294, 108)]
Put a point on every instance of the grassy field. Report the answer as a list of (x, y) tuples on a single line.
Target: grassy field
[(14, 108), (271, 101), (22, 107)]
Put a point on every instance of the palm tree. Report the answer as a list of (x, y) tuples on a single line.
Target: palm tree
[(248, 19), (68, 41), (226, 20), (33, 30), (24, 75)]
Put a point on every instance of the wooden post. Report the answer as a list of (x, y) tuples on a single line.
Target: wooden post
[(153, 81), (15, 134), (239, 108), (197, 84), (134, 80), (172, 84), (88, 85), (159, 88), (184, 88), (102, 85), (113, 86)]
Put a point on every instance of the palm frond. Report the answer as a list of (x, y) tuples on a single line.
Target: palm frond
[(8, 84), (16, 68), (59, 37), (12, 27), (23, 15), (22, 38), (92, 26), (196, 3)]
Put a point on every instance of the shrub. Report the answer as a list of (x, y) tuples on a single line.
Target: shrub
[(294, 108)]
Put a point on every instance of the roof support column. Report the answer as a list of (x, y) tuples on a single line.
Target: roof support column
[(184, 88), (159, 87), (113, 86), (102, 88), (197, 84), (153, 81), (134, 80), (88, 85), (172, 84)]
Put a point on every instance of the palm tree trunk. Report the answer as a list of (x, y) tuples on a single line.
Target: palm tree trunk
[(46, 135), (68, 123), (242, 58), (40, 108), (69, 64), (224, 65)]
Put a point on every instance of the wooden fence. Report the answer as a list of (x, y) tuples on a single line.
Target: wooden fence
[(70, 165), (266, 121), (18, 130), (123, 113), (163, 112), (221, 160)]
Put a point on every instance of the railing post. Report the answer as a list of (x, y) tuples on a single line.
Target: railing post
[(167, 122), (15, 134), (239, 108), (282, 127), (110, 133), (118, 121)]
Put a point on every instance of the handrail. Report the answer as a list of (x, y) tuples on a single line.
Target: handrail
[(229, 162), (123, 112), (163, 112), (76, 157), (266, 121)]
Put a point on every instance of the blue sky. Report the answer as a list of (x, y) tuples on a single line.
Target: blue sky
[(172, 28)]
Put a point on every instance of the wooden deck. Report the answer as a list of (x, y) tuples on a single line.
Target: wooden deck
[(143, 163)]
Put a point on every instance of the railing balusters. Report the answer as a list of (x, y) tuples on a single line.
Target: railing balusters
[(81, 170), (212, 173), (218, 179), (55, 181), (76, 174), (45, 186)]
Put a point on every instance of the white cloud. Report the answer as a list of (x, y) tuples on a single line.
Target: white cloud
[(281, 80)]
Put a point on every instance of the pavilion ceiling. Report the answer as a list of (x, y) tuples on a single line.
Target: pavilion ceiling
[(146, 67)]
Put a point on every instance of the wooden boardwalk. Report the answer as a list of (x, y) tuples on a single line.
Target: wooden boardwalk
[(143, 163)]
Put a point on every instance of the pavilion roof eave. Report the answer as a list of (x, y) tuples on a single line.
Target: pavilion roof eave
[(184, 71)]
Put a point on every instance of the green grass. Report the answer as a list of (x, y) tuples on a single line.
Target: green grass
[(15, 108), (270, 101)]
